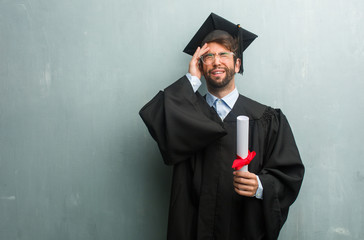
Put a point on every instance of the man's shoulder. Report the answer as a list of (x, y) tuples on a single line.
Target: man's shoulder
[(256, 110)]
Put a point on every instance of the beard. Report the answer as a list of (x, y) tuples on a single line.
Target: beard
[(214, 82)]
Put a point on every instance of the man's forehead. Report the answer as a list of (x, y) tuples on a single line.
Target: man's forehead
[(216, 47)]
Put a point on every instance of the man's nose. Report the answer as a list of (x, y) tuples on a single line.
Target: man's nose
[(216, 60)]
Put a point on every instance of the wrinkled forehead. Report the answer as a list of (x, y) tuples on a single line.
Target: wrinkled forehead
[(215, 47)]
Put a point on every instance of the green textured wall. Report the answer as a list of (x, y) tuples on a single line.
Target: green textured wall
[(76, 161)]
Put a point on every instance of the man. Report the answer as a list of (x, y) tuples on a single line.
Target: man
[(197, 135)]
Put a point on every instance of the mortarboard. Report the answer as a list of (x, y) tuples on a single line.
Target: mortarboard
[(215, 22)]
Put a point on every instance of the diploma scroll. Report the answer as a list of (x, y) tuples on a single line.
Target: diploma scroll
[(242, 128)]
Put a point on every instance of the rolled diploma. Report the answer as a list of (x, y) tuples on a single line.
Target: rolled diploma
[(242, 138)]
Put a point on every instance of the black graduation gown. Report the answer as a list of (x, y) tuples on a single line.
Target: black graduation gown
[(202, 148)]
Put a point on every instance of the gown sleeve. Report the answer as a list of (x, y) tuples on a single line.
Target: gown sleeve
[(181, 122), (282, 174)]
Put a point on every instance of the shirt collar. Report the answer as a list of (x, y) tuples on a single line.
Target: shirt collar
[(229, 99)]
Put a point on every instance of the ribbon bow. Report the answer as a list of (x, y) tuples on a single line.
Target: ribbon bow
[(240, 162)]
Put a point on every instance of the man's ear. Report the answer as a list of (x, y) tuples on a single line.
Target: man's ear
[(237, 65)]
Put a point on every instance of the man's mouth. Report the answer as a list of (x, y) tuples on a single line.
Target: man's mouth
[(217, 72)]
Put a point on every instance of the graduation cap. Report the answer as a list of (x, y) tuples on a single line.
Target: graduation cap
[(215, 22)]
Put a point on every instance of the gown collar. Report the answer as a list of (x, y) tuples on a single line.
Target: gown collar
[(229, 99)]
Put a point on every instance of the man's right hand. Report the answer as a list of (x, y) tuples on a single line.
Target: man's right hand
[(194, 67)]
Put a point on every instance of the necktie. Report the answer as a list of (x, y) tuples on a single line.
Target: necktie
[(221, 108)]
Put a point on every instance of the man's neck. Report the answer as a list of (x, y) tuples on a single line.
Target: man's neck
[(221, 92)]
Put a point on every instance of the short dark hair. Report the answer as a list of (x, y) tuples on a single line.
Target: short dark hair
[(225, 39)]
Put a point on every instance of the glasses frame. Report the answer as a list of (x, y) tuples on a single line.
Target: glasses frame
[(214, 57)]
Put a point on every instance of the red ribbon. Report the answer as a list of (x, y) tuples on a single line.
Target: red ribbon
[(240, 162)]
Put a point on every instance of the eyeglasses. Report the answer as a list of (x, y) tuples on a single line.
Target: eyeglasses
[(209, 58)]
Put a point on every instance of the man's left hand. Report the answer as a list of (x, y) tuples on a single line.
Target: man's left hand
[(245, 183)]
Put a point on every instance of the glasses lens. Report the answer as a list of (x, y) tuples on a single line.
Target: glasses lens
[(208, 58), (224, 55)]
